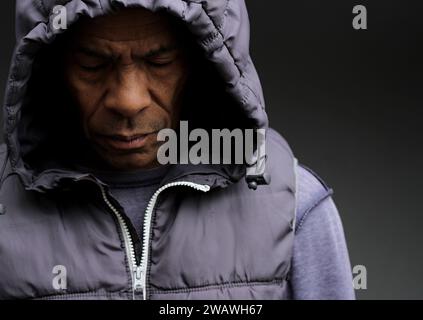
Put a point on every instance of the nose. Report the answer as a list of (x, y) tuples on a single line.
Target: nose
[(128, 92)]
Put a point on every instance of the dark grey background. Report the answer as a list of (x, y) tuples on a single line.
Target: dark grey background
[(349, 103)]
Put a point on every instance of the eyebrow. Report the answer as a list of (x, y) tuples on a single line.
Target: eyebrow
[(150, 54), (93, 53), (161, 50)]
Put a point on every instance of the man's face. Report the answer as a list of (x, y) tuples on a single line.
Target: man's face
[(126, 73)]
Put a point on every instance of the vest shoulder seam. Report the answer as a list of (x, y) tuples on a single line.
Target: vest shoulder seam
[(304, 215)]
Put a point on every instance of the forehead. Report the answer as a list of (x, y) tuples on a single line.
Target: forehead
[(127, 25)]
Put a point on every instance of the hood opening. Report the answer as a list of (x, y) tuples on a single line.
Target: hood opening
[(45, 136), (49, 131)]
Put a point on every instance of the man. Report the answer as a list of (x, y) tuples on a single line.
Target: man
[(88, 210)]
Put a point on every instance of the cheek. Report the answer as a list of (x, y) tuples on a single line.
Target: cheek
[(171, 86), (180, 77), (85, 94)]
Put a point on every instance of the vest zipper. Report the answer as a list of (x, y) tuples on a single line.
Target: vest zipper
[(139, 271)]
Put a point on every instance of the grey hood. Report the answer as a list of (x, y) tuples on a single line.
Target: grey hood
[(220, 27), (206, 235)]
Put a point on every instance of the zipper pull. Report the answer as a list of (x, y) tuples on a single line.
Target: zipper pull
[(138, 281)]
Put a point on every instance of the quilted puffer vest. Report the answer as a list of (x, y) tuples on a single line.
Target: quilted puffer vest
[(207, 235)]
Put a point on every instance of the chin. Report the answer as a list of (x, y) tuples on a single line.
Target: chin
[(132, 162)]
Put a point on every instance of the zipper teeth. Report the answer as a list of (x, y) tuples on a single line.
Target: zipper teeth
[(125, 231), (147, 223), (146, 228)]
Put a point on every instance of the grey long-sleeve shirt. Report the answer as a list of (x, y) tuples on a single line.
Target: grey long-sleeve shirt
[(320, 264)]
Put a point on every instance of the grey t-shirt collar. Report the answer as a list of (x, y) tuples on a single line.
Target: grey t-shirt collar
[(124, 179)]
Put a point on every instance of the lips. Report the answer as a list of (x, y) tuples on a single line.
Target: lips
[(125, 143), (127, 138)]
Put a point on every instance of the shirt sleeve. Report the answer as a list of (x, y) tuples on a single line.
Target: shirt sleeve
[(321, 267)]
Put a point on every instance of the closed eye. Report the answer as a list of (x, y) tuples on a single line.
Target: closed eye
[(159, 64), (94, 68)]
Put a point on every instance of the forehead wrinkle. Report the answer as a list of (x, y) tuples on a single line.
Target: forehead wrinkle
[(121, 50), (118, 44), (143, 46), (128, 36), (125, 27)]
